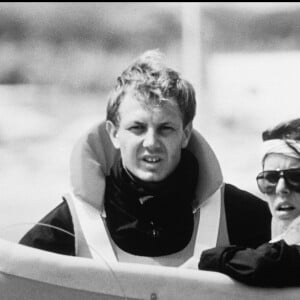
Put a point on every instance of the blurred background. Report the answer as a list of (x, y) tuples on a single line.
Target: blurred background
[(59, 61)]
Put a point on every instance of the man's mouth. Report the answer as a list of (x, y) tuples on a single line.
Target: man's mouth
[(151, 159)]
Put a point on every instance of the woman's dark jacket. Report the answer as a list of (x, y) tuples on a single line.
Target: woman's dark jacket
[(271, 264)]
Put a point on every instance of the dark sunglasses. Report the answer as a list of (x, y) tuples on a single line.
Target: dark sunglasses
[(267, 180)]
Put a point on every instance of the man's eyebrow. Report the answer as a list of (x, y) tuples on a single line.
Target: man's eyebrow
[(167, 123), (136, 122)]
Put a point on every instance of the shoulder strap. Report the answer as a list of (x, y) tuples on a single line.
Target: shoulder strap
[(91, 235), (208, 228), (223, 237), (211, 226)]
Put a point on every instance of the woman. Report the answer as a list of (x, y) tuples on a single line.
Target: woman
[(276, 263)]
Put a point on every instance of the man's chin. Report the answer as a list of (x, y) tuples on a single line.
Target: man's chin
[(151, 177)]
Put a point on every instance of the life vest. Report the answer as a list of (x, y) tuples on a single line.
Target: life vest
[(91, 160)]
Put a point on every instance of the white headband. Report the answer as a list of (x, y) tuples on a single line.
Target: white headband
[(281, 147)]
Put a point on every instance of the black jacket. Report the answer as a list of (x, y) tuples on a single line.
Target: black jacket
[(270, 264), (248, 222)]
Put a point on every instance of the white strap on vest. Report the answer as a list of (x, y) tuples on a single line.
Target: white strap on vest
[(92, 238), (209, 227), (209, 223)]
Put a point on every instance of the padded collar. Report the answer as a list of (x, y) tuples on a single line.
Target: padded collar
[(94, 154)]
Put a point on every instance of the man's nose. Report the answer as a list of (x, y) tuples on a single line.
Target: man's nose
[(151, 139), (281, 187)]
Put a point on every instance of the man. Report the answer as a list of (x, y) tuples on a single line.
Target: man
[(147, 188)]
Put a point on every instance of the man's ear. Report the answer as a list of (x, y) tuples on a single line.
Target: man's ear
[(112, 130), (187, 131)]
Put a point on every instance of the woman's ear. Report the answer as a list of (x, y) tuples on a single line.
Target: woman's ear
[(112, 130), (187, 131)]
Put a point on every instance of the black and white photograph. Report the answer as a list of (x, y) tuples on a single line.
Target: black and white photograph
[(149, 150)]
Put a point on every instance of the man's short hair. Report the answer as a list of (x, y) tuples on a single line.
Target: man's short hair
[(150, 81)]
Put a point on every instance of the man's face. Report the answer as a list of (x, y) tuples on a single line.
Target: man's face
[(150, 138)]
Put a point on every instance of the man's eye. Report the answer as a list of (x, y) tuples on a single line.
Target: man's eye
[(166, 129), (136, 129)]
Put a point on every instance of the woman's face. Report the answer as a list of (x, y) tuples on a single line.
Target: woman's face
[(284, 203)]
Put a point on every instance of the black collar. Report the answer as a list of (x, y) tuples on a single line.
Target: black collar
[(151, 219)]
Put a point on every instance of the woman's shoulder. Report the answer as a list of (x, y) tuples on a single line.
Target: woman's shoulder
[(248, 217), (236, 196)]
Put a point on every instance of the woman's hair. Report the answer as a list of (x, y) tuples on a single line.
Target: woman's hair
[(289, 130), (284, 138), (150, 81)]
